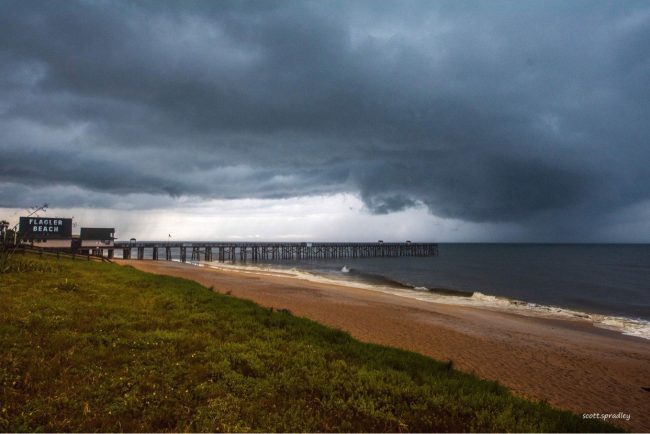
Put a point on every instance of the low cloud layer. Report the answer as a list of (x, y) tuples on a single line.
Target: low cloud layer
[(530, 113)]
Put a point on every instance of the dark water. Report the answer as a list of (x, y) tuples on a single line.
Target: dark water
[(603, 279)]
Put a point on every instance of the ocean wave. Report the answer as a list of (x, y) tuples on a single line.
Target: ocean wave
[(627, 326)]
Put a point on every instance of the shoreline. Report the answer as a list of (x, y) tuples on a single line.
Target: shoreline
[(624, 325), (572, 365)]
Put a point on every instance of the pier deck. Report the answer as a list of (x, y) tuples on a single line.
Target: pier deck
[(269, 251)]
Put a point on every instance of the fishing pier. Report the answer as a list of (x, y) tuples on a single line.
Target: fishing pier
[(267, 251)]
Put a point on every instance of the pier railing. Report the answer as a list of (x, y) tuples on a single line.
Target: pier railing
[(269, 251)]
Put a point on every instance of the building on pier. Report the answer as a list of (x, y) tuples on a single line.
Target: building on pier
[(97, 237), (56, 233)]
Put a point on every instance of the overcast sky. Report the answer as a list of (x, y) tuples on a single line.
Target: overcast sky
[(433, 120)]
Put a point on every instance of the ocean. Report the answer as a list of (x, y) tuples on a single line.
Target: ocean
[(607, 284)]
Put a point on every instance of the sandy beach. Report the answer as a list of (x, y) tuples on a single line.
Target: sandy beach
[(571, 364)]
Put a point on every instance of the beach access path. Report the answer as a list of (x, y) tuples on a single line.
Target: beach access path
[(571, 364)]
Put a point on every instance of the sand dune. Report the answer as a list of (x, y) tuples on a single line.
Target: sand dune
[(571, 364)]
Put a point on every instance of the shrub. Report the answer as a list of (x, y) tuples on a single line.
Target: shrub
[(67, 286)]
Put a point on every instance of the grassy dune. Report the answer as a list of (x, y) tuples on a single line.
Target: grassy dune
[(97, 347)]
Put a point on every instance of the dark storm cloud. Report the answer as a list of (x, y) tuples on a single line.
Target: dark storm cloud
[(523, 112)]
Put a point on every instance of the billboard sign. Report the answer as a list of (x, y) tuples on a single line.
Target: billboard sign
[(45, 227)]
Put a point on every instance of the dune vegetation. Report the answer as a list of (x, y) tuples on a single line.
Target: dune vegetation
[(89, 346)]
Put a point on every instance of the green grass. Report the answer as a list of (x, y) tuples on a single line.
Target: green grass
[(97, 347)]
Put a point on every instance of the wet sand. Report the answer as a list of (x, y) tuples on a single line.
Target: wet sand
[(571, 364)]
